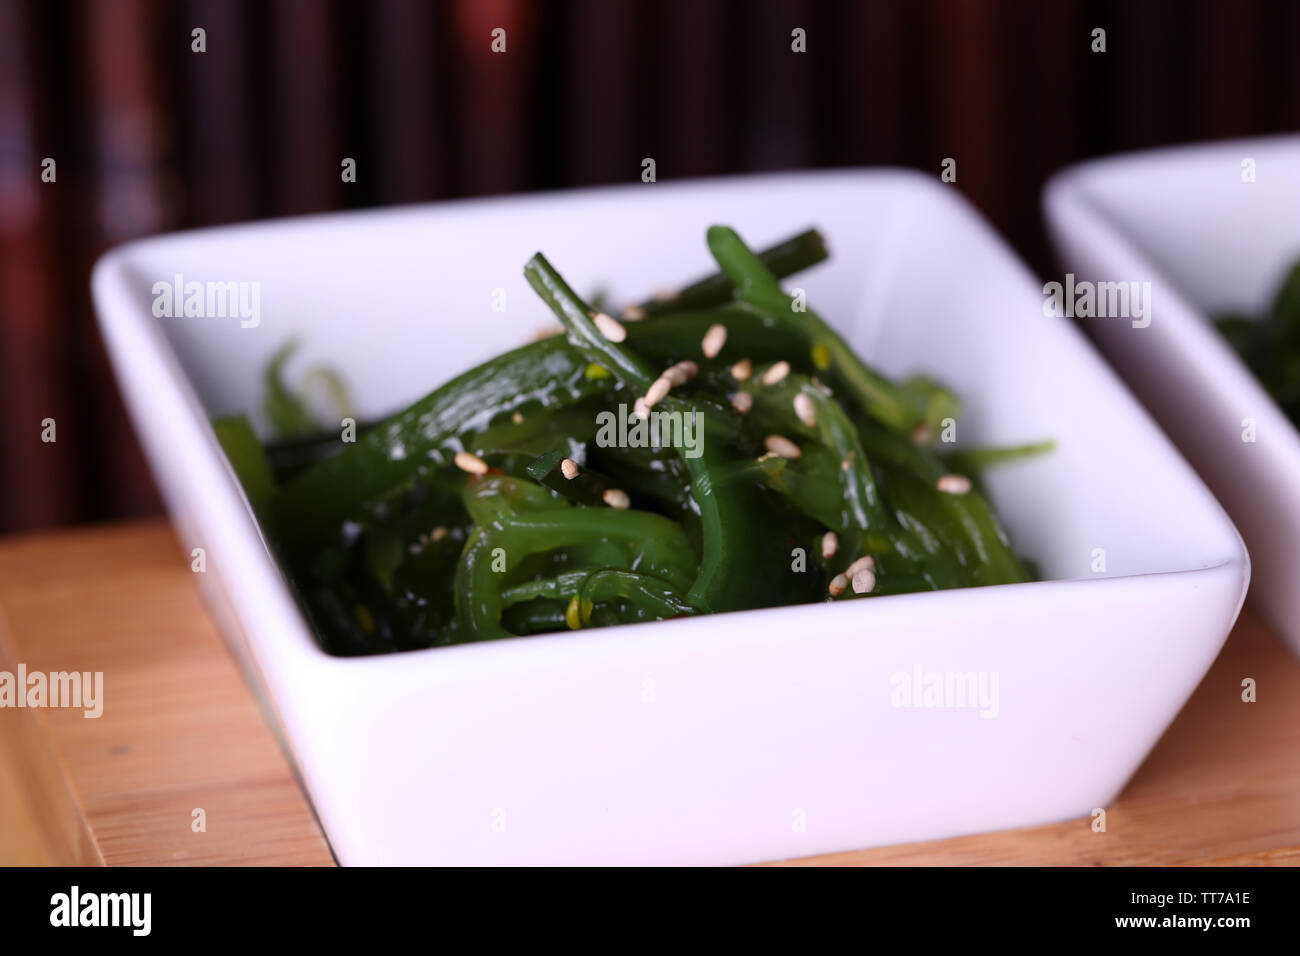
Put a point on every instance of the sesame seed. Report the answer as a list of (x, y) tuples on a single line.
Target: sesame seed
[(658, 389), (439, 533), (714, 339), (953, 484), (864, 563), (847, 463), (921, 434), (616, 498), (517, 418), (838, 585), (681, 373), (471, 463), (864, 581), (776, 373), (632, 313), (742, 402), (782, 446), (830, 544), (742, 370), (611, 328), (569, 468), (803, 407)]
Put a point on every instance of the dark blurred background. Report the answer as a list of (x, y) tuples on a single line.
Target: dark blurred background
[(149, 136)]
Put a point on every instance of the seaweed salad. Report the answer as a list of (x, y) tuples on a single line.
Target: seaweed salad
[(1270, 343), (715, 449)]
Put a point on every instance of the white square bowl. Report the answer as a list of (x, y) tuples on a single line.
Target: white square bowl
[(1184, 220), (724, 739)]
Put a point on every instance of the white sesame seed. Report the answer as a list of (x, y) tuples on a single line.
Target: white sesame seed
[(616, 498), (864, 563), (681, 373), (439, 533), (517, 418), (658, 389), (780, 445), (864, 582), (633, 313), (953, 484), (714, 339), (609, 327), (640, 409), (569, 468), (742, 370), (830, 544), (776, 373), (803, 407), (838, 585), (742, 402), (471, 463)]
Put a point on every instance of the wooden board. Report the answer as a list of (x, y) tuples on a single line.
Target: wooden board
[(181, 731)]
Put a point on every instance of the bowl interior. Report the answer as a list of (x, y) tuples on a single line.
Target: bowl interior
[(1224, 243), (401, 300)]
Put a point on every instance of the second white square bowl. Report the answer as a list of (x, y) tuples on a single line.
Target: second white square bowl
[(1209, 240), (721, 739)]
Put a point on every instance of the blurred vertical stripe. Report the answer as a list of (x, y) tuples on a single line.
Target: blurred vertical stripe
[(37, 480), (220, 122), (137, 192), (490, 141), (869, 76), (691, 84), (304, 80), (151, 136), (969, 98), (599, 137), (780, 109), (409, 109)]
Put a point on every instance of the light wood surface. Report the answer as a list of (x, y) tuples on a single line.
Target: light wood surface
[(181, 731)]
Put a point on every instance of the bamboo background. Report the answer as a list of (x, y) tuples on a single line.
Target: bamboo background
[(150, 137)]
